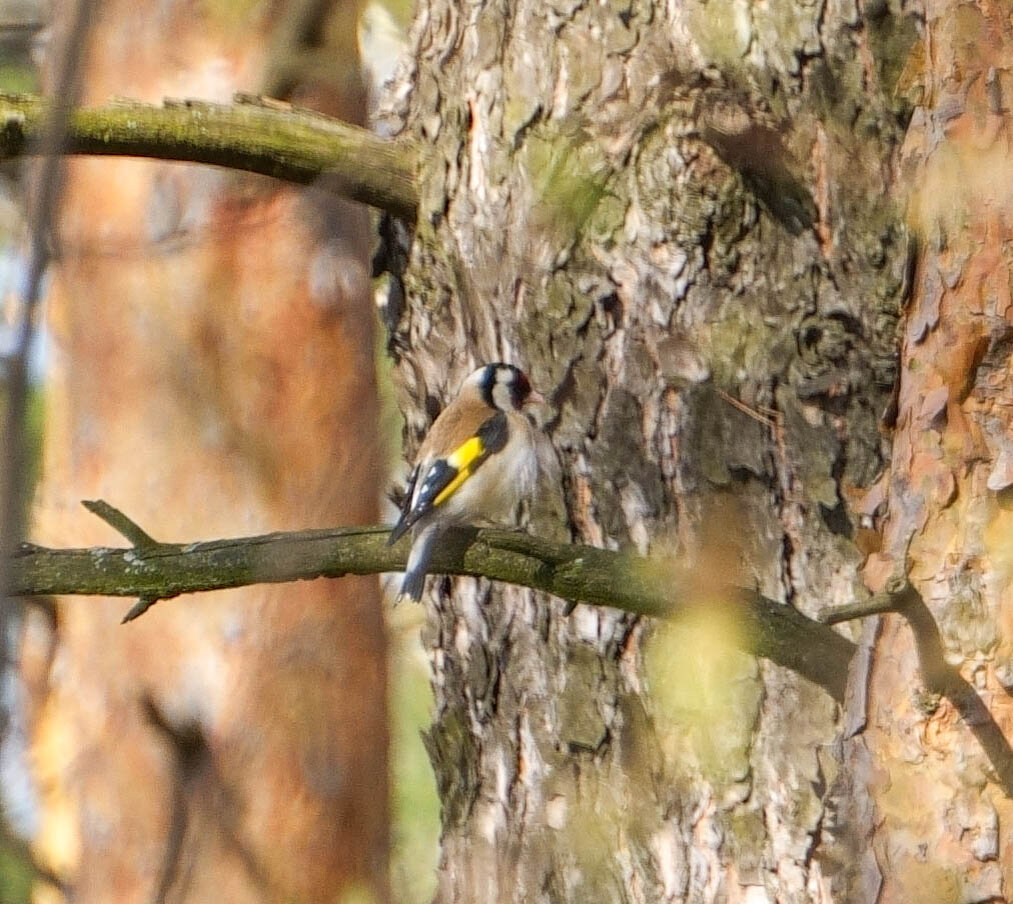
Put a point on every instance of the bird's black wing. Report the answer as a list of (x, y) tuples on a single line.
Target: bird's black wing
[(444, 476), (405, 503)]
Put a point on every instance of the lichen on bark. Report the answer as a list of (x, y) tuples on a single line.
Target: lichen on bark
[(661, 212)]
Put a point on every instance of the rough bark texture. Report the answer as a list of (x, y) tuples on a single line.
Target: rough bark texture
[(211, 373), (661, 211), (948, 518)]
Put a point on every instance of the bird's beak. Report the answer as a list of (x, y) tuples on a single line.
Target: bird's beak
[(535, 398)]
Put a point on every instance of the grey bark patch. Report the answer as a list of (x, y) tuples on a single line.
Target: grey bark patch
[(575, 219)]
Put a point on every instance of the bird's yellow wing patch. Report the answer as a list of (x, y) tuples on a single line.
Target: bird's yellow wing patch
[(463, 460), (465, 454)]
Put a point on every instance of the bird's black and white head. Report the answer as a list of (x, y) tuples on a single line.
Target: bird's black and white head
[(503, 386)]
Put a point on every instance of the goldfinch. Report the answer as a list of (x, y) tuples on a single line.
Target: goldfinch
[(477, 461)]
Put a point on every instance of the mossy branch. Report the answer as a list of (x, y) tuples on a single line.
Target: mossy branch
[(252, 135), (152, 571)]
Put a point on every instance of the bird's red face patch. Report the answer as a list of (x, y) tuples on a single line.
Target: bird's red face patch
[(520, 388)]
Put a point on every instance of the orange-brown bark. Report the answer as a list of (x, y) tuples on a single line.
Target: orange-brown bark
[(949, 523), (212, 373)]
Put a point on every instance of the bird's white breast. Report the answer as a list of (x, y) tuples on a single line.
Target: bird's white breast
[(509, 476)]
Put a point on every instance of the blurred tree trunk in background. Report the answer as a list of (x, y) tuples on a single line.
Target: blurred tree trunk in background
[(212, 375), (687, 220)]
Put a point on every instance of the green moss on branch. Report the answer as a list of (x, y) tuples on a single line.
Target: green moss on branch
[(289, 144), (577, 573), (156, 571)]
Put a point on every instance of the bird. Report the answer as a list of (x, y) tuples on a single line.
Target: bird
[(477, 461)]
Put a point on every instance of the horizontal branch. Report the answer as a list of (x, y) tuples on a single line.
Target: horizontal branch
[(576, 573), (152, 570), (251, 135)]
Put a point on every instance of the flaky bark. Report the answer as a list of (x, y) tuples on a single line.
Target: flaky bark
[(942, 831), (679, 218), (211, 373)]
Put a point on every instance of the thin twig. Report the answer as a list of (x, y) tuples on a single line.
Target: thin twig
[(139, 608), (52, 131), (143, 542), (939, 676), (45, 197), (144, 545), (190, 753), (879, 604), (765, 416)]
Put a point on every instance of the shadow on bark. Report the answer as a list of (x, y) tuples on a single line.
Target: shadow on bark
[(940, 677)]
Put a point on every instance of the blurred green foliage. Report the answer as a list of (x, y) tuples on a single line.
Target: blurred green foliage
[(18, 74), (15, 875), (706, 691), (415, 807), (16, 78), (34, 426)]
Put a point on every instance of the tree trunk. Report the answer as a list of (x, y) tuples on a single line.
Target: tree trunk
[(948, 499), (212, 375), (687, 222)]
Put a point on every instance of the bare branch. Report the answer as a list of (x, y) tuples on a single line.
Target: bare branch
[(577, 573), (155, 571), (878, 604), (44, 203), (251, 135)]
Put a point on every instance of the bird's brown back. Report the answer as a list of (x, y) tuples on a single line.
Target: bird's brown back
[(455, 425)]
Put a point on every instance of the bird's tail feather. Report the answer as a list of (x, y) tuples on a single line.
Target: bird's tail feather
[(418, 564)]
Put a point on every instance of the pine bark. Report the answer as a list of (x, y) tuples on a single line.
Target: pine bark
[(942, 829), (687, 222)]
